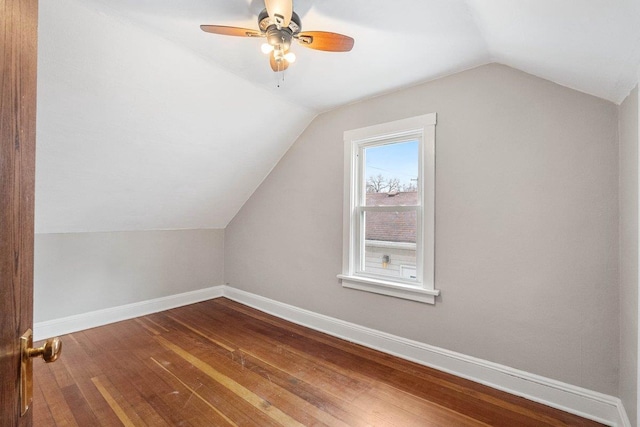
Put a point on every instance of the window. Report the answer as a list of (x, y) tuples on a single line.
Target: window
[(389, 213)]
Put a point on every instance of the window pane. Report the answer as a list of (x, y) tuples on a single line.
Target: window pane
[(390, 244), (391, 174)]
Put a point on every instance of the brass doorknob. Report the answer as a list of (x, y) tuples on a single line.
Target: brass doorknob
[(50, 351)]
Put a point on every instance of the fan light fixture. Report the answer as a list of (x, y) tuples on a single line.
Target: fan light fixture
[(280, 25)]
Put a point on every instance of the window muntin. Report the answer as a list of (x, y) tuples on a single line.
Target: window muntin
[(389, 209)]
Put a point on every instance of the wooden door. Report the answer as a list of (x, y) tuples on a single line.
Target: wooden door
[(18, 54)]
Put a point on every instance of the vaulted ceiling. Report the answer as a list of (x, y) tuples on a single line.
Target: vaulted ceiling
[(146, 122)]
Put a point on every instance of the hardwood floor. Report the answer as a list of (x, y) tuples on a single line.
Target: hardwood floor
[(219, 363)]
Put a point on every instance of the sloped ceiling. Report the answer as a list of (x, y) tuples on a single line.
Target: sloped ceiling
[(146, 122), (135, 132)]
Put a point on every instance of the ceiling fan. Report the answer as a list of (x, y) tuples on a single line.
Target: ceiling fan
[(280, 25)]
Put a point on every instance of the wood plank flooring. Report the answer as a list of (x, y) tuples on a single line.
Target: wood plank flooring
[(219, 363)]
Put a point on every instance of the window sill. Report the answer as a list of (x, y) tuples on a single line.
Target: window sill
[(389, 288)]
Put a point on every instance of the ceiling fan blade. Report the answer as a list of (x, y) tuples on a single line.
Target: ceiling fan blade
[(322, 40), (276, 65), (280, 11), (230, 31)]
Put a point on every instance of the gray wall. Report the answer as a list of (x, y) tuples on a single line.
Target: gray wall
[(629, 254), (81, 272), (526, 234)]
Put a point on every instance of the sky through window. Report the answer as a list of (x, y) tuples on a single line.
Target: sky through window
[(395, 161)]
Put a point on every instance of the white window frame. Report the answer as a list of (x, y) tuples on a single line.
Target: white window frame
[(422, 289)]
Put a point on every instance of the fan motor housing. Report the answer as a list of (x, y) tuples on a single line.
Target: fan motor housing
[(279, 38), (265, 22)]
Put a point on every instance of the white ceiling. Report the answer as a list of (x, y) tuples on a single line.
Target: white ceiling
[(146, 122)]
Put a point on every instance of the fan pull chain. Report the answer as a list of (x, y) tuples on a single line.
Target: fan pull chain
[(279, 74), (280, 63)]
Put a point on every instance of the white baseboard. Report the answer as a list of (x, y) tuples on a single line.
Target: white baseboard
[(576, 400), (623, 416), (79, 322), (566, 397)]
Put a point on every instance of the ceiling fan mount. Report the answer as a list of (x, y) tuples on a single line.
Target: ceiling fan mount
[(280, 25)]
